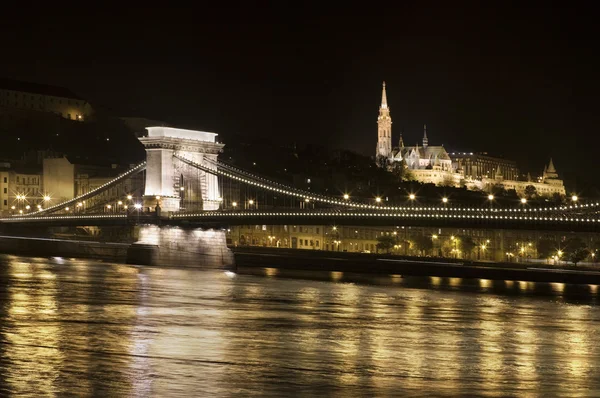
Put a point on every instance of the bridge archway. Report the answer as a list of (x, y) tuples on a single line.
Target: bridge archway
[(169, 182)]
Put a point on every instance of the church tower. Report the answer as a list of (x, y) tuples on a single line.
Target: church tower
[(384, 128)]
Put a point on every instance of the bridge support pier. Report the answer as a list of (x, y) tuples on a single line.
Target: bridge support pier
[(176, 246)]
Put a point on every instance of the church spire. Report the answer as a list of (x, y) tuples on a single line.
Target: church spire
[(401, 142), (384, 129), (383, 98), (551, 168), (425, 140)]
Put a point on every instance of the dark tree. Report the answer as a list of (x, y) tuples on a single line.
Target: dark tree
[(575, 250), (385, 243), (546, 248), (423, 244), (467, 244), (530, 191)]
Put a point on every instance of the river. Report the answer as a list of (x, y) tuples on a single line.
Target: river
[(86, 328)]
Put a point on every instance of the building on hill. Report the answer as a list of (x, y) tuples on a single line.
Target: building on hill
[(427, 163), (475, 166), (548, 184), (18, 96), (433, 164)]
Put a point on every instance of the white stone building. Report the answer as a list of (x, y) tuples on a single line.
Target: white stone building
[(427, 163), (432, 164)]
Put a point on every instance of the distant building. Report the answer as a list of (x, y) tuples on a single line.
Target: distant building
[(433, 164), (17, 96), (427, 164), (476, 166), (547, 185), (19, 188)]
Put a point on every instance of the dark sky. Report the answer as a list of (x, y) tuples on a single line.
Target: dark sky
[(517, 82)]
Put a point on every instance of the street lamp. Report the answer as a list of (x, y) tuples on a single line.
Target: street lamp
[(574, 198), (378, 199), (444, 200), (346, 196), (47, 198), (523, 200), (491, 199), (412, 196), (234, 204), (129, 197)]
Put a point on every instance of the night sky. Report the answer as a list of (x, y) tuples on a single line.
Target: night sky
[(520, 83)]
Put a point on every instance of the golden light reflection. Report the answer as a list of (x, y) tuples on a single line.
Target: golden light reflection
[(396, 278), (455, 282), (485, 283), (271, 272), (593, 289), (35, 336), (435, 280), (336, 276), (558, 287), (509, 284)]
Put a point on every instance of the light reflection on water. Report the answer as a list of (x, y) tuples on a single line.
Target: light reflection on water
[(82, 328)]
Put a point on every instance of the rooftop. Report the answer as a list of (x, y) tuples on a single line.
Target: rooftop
[(37, 88)]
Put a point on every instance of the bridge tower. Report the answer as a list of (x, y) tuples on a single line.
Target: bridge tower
[(172, 184)]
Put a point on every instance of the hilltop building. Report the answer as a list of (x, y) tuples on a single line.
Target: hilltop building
[(433, 164), (17, 96)]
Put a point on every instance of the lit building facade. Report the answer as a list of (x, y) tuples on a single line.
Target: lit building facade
[(476, 166), (433, 164), (19, 96), (460, 243), (427, 163), (19, 189)]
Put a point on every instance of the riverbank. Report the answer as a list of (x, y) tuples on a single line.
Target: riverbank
[(374, 264), (49, 247)]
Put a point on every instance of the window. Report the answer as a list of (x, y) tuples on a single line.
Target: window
[(68, 116), (5, 181), (317, 243), (317, 231), (305, 242), (5, 190), (5, 202), (300, 242), (17, 178)]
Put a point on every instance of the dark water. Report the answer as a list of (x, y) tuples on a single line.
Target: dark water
[(74, 327)]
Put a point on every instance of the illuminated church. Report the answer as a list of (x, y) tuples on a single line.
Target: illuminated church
[(433, 164), (427, 163)]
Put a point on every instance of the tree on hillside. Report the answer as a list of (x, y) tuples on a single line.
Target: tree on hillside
[(385, 243), (556, 199), (530, 191)]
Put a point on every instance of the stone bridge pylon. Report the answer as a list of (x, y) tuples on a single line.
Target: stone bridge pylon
[(173, 184)]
